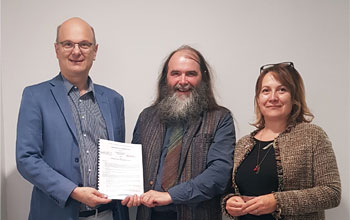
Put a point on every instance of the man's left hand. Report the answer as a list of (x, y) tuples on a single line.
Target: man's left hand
[(154, 198)]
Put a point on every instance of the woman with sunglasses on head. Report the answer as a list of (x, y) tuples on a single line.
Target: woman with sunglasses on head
[(286, 168)]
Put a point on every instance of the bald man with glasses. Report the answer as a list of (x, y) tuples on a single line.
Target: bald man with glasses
[(60, 122)]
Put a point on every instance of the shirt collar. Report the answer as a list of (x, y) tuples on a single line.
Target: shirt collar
[(69, 86)]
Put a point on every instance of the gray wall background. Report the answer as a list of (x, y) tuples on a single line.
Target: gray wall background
[(236, 37)]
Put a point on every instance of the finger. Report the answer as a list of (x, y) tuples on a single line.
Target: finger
[(137, 200), (239, 199), (94, 202), (144, 196), (235, 204), (149, 205), (147, 193), (149, 202), (255, 212), (130, 203), (251, 201), (101, 195), (144, 200), (235, 211), (133, 201), (247, 198), (103, 200), (125, 200), (250, 208)]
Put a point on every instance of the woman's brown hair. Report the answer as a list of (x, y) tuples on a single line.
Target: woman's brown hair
[(288, 76)]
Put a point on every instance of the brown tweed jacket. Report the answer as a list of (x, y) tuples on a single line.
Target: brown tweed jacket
[(193, 161), (307, 172)]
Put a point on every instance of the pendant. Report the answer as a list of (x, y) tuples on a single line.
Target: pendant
[(256, 169)]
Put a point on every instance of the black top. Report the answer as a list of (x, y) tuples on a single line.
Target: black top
[(265, 181)]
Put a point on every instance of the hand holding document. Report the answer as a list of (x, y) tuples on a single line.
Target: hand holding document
[(120, 171)]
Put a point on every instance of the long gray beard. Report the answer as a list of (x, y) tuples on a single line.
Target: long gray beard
[(175, 109)]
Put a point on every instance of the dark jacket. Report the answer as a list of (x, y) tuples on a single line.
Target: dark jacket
[(196, 144)]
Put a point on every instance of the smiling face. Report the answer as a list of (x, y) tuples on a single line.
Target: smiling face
[(77, 61), (274, 99), (183, 72)]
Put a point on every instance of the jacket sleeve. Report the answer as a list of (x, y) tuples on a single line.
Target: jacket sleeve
[(215, 178), (326, 190), (30, 149)]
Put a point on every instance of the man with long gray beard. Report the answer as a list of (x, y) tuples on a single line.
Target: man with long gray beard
[(187, 141)]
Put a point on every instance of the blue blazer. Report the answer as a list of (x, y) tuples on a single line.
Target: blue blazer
[(47, 152)]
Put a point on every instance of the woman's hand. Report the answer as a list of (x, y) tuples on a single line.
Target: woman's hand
[(260, 205), (235, 206)]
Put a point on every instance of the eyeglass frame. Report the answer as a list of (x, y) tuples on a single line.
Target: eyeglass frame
[(79, 45), (285, 64)]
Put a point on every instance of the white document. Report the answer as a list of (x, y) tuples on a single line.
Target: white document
[(120, 171)]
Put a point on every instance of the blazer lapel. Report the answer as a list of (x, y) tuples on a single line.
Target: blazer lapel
[(60, 95), (103, 103)]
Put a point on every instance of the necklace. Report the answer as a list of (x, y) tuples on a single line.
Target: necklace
[(257, 167)]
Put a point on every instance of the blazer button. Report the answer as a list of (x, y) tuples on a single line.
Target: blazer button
[(76, 160), (80, 185), (151, 183)]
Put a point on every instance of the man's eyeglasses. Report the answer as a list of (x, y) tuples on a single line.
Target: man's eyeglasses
[(69, 45), (283, 64)]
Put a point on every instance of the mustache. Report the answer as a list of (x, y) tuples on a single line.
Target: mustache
[(183, 88)]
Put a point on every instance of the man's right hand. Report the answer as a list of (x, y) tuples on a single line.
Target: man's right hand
[(154, 198), (89, 196)]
